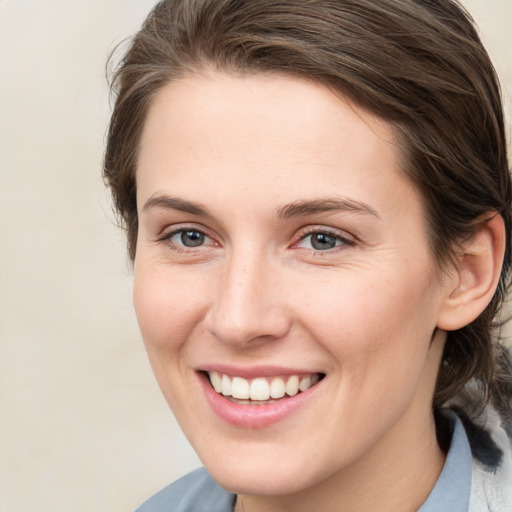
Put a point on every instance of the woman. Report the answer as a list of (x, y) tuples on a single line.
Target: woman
[(317, 201)]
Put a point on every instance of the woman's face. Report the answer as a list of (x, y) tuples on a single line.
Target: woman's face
[(282, 255)]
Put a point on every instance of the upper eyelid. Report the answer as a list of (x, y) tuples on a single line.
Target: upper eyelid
[(310, 230), (169, 231), (347, 240), (166, 236)]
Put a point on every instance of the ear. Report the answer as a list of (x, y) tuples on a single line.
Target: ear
[(476, 276)]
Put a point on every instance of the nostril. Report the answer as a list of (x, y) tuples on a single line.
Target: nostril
[(245, 331), (245, 307)]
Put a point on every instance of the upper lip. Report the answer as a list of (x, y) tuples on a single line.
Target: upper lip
[(255, 371)]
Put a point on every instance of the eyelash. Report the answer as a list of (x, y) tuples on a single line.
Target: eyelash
[(344, 241), (319, 230), (167, 238)]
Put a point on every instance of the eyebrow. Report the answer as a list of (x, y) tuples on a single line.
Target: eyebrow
[(295, 209), (175, 203), (309, 207)]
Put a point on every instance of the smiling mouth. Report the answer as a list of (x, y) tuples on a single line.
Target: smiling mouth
[(261, 390)]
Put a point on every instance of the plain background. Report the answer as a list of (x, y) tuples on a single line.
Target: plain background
[(83, 426)]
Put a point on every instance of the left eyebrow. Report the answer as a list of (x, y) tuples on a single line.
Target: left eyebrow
[(309, 207), (175, 203)]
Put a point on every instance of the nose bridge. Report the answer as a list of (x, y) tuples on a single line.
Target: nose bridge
[(247, 306)]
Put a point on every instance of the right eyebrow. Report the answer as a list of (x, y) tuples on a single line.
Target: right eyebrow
[(175, 203), (310, 207)]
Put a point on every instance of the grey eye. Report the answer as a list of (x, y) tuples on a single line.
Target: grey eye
[(323, 241), (191, 238)]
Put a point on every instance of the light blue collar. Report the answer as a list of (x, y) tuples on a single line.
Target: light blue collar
[(453, 488)]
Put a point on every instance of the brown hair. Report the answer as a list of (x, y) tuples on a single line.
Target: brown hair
[(418, 64)]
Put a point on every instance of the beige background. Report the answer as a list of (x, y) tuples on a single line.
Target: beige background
[(82, 424)]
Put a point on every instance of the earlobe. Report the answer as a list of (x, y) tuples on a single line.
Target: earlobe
[(476, 276)]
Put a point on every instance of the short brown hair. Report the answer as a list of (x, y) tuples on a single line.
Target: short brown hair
[(418, 64)]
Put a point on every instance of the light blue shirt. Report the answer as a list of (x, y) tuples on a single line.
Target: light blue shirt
[(453, 487)]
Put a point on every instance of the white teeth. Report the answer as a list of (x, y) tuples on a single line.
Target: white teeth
[(216, 381), (292, 386), (226, 386), (261, 389), (240, 388), (277, 389), (305, 383)]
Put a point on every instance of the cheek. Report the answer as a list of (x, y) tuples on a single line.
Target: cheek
[(379, 337), (168, 308), (168, 305), (376, 323)]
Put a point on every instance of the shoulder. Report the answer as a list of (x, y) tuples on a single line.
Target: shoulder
[(195, 492)]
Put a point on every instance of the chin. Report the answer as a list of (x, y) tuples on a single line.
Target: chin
[(264, 470), (261, 481)]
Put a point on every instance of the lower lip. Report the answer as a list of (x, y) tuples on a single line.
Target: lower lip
[(254, 416)]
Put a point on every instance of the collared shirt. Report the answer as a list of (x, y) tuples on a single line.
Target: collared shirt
[(453, 487)]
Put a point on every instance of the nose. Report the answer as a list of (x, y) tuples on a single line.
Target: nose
[(247, 306)]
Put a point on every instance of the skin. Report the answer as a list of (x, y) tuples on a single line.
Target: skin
[(257, 292)]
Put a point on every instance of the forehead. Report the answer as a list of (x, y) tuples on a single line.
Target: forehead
[(262, 105), (264, 136)]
